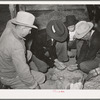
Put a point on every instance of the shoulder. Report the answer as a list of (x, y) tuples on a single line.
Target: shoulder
[(96, 32), (96, 37), (41, 35), (10, 24)]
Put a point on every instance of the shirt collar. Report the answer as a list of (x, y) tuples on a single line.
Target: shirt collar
[(92, 32)]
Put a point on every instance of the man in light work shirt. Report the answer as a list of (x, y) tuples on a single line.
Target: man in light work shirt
[(14, 70)]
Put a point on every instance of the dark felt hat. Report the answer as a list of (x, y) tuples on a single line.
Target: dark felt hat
[(57, 30), (70, 20)]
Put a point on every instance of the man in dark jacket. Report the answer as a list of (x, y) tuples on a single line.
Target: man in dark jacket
[(89, 57), (49, 46)]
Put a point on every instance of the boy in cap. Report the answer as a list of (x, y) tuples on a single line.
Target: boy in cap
[(49, 47), (89, 57), (14, 70), (70, 23)]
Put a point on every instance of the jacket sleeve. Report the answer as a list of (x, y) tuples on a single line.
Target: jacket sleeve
[(39, 51), (92, 51), (89, 53), (19, 60), (51, 47), (83, 52)]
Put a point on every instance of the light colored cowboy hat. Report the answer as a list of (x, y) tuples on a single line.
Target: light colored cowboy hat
[(57, 30), (25, 19), (82, 28)]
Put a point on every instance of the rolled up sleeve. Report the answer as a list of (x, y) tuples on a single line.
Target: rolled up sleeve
[(22, 68)]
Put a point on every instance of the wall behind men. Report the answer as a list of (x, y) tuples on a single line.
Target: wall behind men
[(45, 13), (4, 16)]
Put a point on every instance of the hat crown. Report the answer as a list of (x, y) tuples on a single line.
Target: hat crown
[(59, 29), (25, 18), (82, 27), (70, 20)]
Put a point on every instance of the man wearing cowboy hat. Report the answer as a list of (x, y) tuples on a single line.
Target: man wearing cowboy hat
[(89, 57), (14, 70), (49, 47)]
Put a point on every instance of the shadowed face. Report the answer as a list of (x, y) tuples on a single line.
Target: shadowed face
[(23, 30), (26, 31), (71, 28), (87, 36)]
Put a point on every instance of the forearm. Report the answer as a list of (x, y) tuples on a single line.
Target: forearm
[(25, 75), (46, 59)]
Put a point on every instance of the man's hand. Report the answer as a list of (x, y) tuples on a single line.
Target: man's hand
[(92, 73), (72, 67)]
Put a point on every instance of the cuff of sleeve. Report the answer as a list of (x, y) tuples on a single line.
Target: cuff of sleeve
[(34, 86)]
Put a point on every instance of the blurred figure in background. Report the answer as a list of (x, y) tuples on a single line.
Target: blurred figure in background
[(12, 9)]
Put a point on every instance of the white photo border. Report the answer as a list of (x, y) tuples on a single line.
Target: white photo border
[(50, 94)]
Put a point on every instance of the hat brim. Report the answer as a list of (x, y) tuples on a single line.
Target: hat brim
[(52, 35), (83, 34), (18, 23)]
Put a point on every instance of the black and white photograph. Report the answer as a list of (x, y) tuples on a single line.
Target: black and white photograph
[(49, 46)]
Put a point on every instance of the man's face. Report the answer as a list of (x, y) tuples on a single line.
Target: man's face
[(71, 28), (26, 31)]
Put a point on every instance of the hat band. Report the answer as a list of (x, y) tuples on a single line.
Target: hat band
[(53, 29), (24, 23)]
